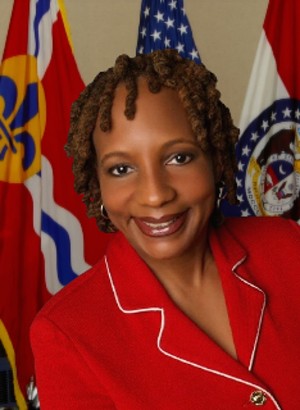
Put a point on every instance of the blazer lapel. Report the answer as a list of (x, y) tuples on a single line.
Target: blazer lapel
[(137, 290), (246, 301)]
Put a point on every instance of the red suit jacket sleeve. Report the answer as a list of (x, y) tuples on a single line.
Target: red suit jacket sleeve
[(72, 385)]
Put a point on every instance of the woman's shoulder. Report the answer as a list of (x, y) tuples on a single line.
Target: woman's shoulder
[(271, 236), (264, 226), (89, 291), (79, 293)]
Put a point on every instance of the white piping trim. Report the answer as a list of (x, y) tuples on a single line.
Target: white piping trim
[(261, 312), (180, 359)]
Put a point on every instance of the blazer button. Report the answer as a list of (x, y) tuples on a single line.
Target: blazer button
[(258, 398)]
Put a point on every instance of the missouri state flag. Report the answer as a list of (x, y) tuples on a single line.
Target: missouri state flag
[(164, 24), (268, 151), (45, 238)]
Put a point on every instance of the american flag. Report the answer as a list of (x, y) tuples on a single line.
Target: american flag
[(164, 24)]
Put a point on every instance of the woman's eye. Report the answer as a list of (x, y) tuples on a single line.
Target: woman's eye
[(120, 170), (180, 159)]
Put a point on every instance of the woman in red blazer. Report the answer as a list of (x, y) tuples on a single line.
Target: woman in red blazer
[(185, 311)]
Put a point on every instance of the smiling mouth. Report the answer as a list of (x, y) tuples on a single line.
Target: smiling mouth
[(165, 226)]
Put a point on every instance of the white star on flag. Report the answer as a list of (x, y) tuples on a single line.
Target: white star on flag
[(183, 29), (254, 136), (240, 198), (173, 4), (265, 125), (156, 35), (180, 48), (238, 182), (287, 113), (159, 16), (194, 54), (241, 166), (245, 212), (169, 23), (246, 151), (147, 12), (167, 42)]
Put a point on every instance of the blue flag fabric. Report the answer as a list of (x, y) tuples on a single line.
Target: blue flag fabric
[(164, 24)]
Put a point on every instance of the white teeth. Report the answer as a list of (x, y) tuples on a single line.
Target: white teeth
[(155, 231), (161, 225)]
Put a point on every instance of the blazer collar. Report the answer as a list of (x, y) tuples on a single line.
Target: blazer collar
[(135, 284), (245, 299), (137, 290)]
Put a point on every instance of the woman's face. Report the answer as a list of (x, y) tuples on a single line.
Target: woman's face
[(157, 185)]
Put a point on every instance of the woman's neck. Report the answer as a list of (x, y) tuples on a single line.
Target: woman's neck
[(185, 271)]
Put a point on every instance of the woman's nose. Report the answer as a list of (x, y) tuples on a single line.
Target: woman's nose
[(155, 189)]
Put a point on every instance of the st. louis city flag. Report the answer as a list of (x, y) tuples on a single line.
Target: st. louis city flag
[(45, 238), (164, 24), (268, 177)]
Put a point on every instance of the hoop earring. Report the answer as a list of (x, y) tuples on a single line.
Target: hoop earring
[(221, 192), (217, 218), (103, 212)]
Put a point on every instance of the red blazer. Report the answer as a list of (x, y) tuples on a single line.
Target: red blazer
[(113, 339)]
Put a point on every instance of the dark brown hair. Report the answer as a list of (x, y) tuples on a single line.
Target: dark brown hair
[(210, 119)]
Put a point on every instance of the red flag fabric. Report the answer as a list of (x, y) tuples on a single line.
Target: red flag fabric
[(46, 240), (268, 177)]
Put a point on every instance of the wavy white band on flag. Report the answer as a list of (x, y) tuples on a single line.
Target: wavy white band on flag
[(261, 90), (61, 233), (63, 253), (40, 41)]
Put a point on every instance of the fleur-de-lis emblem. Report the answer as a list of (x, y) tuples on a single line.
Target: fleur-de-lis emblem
[(22, 119)]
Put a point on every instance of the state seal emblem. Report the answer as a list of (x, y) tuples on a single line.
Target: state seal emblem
[(268, 177)]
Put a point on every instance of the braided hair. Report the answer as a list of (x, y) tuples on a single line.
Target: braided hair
[(210, 119)]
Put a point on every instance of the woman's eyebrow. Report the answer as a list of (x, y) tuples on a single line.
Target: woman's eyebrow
[(125, 155), (119, 154), (181, 141)]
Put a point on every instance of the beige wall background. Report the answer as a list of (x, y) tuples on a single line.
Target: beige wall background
[(226, 33)]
